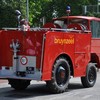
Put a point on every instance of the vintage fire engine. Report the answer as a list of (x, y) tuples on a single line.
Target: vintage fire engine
[(65, 47)]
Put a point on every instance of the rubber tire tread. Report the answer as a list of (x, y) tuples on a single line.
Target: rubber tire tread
[(85, 81), (52, 84)]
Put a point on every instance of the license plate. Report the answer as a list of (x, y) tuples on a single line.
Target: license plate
[(30, 70)]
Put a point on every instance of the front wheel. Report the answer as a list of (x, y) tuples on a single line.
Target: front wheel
[(60, 76), (91, 76)]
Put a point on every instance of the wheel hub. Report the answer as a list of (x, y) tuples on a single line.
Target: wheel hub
[(61, 76), (91, 75)]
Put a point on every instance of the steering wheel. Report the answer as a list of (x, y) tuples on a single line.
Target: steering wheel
[(51, 25)]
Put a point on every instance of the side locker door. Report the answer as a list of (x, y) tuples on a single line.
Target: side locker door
[(82, 53)]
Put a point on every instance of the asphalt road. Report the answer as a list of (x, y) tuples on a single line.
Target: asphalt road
[(38, 91)]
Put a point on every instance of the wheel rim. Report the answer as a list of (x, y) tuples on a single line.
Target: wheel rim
[(61, 75), (91, 75)]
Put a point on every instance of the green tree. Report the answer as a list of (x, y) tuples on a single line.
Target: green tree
[(7, 12), (39, 9), (47, 7)]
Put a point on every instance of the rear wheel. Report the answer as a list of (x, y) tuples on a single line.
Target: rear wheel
[(60, 76), (18, 84), (91, 76)]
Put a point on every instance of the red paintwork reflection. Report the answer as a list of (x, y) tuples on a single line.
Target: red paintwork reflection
[(30, 45)]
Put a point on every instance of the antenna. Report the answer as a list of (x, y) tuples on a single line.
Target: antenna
[(68, 10)]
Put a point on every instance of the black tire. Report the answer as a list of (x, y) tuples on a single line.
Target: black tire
[(60, 76), (91, 75), (18, 84)]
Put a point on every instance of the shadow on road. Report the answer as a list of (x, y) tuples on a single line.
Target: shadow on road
[(73, 86), (32, 91)]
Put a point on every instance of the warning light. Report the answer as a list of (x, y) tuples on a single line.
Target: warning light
[(68, 9)]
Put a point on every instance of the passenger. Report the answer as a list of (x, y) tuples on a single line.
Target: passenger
[(24, 25)]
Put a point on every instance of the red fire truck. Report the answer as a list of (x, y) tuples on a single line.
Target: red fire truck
[(65, 47)]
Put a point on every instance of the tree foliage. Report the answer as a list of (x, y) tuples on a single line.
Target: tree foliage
[(38, 9), (7, 12)]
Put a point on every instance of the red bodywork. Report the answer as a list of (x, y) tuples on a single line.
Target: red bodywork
[(30, 45), (49, 44), (78, 50)]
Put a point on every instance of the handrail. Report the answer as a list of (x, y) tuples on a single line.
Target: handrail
[(7, 28), (59, 29), (50, 29)]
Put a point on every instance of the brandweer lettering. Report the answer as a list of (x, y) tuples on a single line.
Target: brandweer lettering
[(64, 41)]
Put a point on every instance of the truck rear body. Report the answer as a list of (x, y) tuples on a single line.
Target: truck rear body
[(28, 56), (38, 50), (52, 53)]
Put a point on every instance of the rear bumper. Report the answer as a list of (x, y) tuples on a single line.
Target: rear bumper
[(6, 74)]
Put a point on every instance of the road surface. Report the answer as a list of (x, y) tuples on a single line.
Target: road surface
[(38, 91)]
